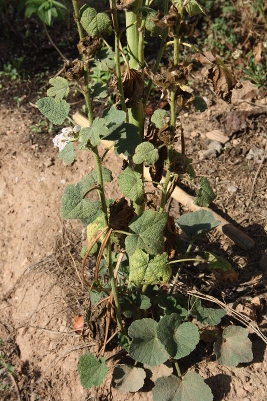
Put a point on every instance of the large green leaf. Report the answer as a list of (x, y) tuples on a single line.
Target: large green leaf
[(92, 372), (196, 224), (128, 378), (95, 24), (208, 316), (126, 137), (205, 194), (113, 116), (131, 185), (216, 262), (235, 347), (191, 388), (56, 112), (146, 233), (94, 132), (60, 88), (67, 154), (179, 339), (73, 206), (145, 152), (145, 346), (144, 271)]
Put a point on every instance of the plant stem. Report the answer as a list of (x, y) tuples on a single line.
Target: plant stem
[(86, 71), (178, 370), (186, 260), (160, 53), (53, 43), (166, 183), (117, 54), (179, 270), (114, 288)]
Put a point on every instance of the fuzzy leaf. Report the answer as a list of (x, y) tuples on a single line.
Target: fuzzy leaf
[(145, 271), (96, 296), (193, 8), (130, 183), (196, 224), (235, 347), (60, 88), (92, 372), (98, 91), (179, 339), (128, 378), (113, 117), (158, 118), (208, 316), (73, 206), (95, 24), (217, 262), (90, 179), (94, 132), (191, 388), (205, 194), (199, 104), (105, 61), (147, 233), (145, 346), (67, 154), (56, 112), (145, 152), (141, 300)]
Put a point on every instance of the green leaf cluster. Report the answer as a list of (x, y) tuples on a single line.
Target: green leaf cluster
[(95, 24), (205, 194), (45, 9)]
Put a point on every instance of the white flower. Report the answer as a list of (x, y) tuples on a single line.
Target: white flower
[(67, 131), (60, 141)]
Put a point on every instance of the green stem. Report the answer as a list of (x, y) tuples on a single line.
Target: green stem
[(179, 270), (117, 54), (186, 260), (260, 9), (86, 92), (178, 370)]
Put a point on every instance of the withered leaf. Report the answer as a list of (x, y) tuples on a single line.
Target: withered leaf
[(89, 46), (187, 29), (120, 214), (166, 134), (257, 49), (125, 4), (133, 87), (222, 79), (74, 69), (170, 237)]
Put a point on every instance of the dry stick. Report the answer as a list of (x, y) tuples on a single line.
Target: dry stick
[(93, 241), (110, 306), (236, 235), (231, 312), (255, 178), (100, 253), (53, 44)]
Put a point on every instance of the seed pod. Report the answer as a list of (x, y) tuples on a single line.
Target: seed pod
[(125, 4), (133, 87), (89, 46), (74, 69)]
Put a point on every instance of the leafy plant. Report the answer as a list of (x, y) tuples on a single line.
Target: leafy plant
[(135, 244)]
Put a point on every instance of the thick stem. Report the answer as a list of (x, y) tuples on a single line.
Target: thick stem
[(178, 370)]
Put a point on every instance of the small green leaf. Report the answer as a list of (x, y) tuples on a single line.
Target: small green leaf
[(92, 372), (146, 233), (130, 183), (73, 206), (128, 378), (96, 296), (67, 154), (235, 347), (145, 152), (141, 300), (95, 24), (208, 316), (60, 88), (145, 346), (127, 306), (144, 271), (98, 91), (216, 262), (171, 304), (159, 118), (94, 132), (196, 224), (193, 8), (56, 112), (179, 339), (200, 104), (191, 388), (205, 194), (123, 341)]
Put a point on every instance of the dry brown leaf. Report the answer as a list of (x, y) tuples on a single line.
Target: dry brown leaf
[(222, 79), (120, 214), (133, 87), (125, 4)]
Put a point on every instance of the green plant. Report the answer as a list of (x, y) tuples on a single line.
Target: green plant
[(155, 322), (256, 74), (12, 69), (5, 369)]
